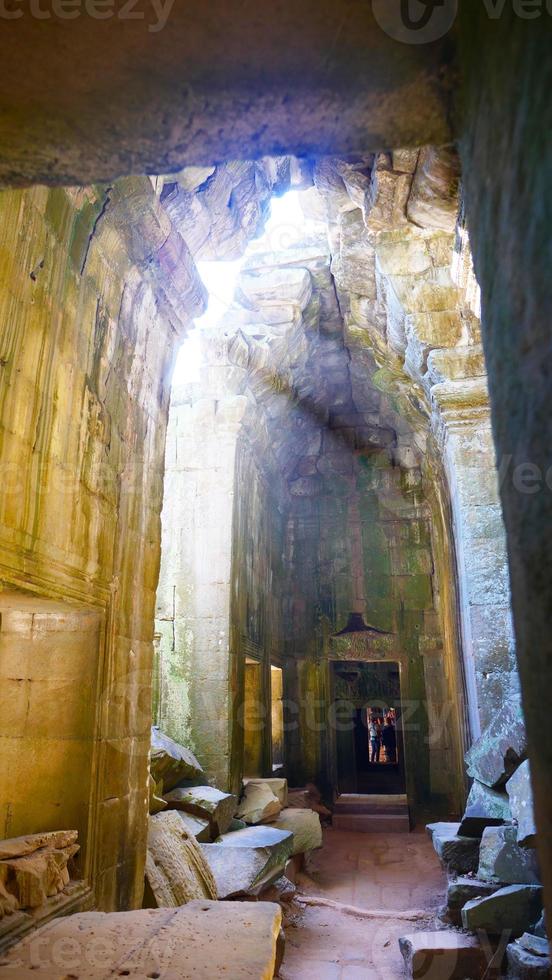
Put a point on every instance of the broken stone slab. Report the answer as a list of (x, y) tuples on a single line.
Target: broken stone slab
[(205, 802), (195, 826), (515, 908), (277, 785), (502, 860), (462, 890), (172, 763), (521, 964), (203, 940), (304, 825), (258, 804), (39, 872), (449, 955), (500, 749), (457, 854), (247, 861), (20, 846), (485, 807), (537, 945), (176, 870), (520, 794)]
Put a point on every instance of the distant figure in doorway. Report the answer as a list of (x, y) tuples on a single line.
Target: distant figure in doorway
[(389, 739), (375, 740)]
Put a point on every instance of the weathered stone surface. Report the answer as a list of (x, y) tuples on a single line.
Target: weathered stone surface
[(520, 794), (170, 762), (515, 908), (249, 860), (485, 807), (305, 827), (176, 870), (537, 945), (462, 890), (205, 802), (522, 964), (258, 804), (199, 941), (458, 854), (197, 827), (34, 868), (501, 748), (449, 955), (501, 859), (278, 786)]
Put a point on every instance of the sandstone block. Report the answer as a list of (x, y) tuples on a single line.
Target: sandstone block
[(172, 762), (278, 786), (485, 807), (258, 804), (305, 827), (205, 802), (502, 860), (500, 749), (201, 940), (176, 870), (526, 964), (247, 861), (37, 873), (457, 854), (195, 826), (520, 794), (515, 908), (156, 801), (443, 954), (462, 890)]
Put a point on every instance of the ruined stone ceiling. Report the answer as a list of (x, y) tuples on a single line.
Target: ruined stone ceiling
[(345, 333)]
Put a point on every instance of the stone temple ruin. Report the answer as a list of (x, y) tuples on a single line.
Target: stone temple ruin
[(275, 637)]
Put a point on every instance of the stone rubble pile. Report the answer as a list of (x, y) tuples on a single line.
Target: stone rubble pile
[(494, 891), (207, 843)]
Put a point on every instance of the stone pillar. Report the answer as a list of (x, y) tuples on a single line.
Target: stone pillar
[(194, 596), (480, 549)]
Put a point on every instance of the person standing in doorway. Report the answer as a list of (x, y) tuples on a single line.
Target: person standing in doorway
[(374, 733), (389, 739)]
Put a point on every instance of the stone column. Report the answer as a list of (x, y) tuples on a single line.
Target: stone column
[(480, 548)]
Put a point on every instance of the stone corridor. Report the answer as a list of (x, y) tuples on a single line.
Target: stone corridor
[(275, 490)]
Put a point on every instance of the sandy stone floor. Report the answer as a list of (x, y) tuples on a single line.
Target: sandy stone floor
[(371, 871)]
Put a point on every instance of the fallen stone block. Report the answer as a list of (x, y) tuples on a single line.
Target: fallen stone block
[(258, 804), (462, 890), (523, 964), (170, 762), (485, 807), (500, 749), (515, 908), (520, 794), (195, 826), (502, 860), (205, 802), (176, 870), (38, 872), (277, 785), (449, 955), (536, 945), (247, 861), (457, 854), (304, 825), (201, 940), (308, 798)]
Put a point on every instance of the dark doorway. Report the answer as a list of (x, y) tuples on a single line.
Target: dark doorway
[(369, 739)]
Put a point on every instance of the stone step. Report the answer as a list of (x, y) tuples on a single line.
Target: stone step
[(370, 823)]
